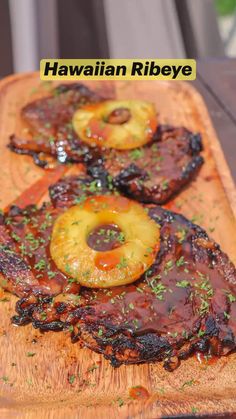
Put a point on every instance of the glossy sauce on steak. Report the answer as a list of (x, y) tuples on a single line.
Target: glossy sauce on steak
[(152, 173), (158, 170), (25, 261), (50, 123), (184, 303)]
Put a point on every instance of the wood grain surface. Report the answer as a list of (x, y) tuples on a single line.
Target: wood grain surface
[(221, 101), (61, 380)]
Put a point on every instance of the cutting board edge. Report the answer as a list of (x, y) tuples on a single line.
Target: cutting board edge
[(216, 148), (219, 157)]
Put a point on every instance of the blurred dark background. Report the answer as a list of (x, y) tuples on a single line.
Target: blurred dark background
[(35, 29)]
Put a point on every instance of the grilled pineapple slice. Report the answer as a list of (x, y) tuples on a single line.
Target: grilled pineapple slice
[(100, 269), (119, 124)]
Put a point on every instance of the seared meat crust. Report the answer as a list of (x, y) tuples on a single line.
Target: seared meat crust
[(25, 261), (50, 123), (185, 303), (153, 173)]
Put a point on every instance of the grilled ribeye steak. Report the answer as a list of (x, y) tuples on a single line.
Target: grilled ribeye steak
[(25, 261), (155, 172), (185, 303), (152, 173), (50, 123)]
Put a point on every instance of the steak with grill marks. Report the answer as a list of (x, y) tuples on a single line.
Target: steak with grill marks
[(49, 120), (25, 261), (184, 303), (155, 172), (152, 173)]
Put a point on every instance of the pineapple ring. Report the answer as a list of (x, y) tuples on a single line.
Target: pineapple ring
[(101, 269), (119, 124)]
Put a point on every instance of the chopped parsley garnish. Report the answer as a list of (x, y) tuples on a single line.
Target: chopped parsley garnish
[(100, 332), (158, 289), (120, 402), (92, 368), (88, 132), (135, 322), (168, 266), (40, 265), (136, 154), (181, 234), (194, 410), (231, 298), (123, 263), (226, 315), (121, 237), (188, 383), (43, 315), (182, 284), (51, 274), (76, 223), (180, 261), (94, 186), (204, 307), (165, 185), (15, 236), (30, 354), (71, 379)]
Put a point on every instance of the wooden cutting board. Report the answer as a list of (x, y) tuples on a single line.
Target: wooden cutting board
[(62, 380)]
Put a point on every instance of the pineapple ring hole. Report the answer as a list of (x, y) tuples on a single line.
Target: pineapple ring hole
[(118, 124), (105, 237), (118, 116), (71, 252)]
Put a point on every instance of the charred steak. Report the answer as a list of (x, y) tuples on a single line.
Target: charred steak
[(25, 261), (152, 173), (155, 172), (49, 120), (184, 303)]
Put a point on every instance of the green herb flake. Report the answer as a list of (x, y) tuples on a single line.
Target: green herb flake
[(136, 154), (180, 261), (182, 284), (226, 315), (135, 322), (123, 263), (43, 315), (51, 274), (100, 332), (92, 368), (40, 265), (30, 354), (71, 379), (165, 185), (194, 410), (204, 307), (88, 132), (181, 234), (231, 298), (168, 266), (120, 402), (188, 383)]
